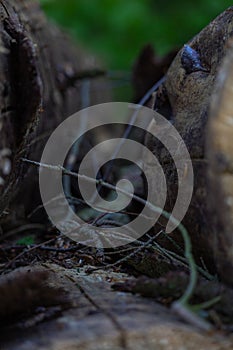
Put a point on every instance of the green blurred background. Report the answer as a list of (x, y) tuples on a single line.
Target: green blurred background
[(116, 30)]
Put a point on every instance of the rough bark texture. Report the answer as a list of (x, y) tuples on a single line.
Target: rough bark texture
[(42, 76), (41, 84), (219, 149), (99, 318), (185, 97)]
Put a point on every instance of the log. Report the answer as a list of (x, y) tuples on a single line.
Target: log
[(186, 96), (42, 77), (219, 151), (100, 318)]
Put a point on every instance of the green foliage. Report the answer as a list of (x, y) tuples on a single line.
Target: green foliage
[(118, 29), (28, 240)]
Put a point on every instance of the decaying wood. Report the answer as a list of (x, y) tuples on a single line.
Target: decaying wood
[(185, 97), (24, 290), (42, 76), (41, 84), (100, 318), (219, 149)]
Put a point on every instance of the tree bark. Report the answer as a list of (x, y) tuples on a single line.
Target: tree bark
[(186, 96), (41, 83), (42, 74), (219, 150), (94, 317)]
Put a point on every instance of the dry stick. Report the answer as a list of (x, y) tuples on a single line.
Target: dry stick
[(181, 306), (120, 251), (179, 259), (6, 266), (54, 199), (34, 247), (188, 250), (131, 123), (35, 140), (125, 258), (173, 242), (125, 135), (59, 250), (5, 8), (85, 102)]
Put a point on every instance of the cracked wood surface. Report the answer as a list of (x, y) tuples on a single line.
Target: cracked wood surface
[(185, 98), (100, 318), (220, 154)]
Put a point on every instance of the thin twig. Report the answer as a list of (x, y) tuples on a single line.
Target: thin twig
[(187, 243), (125, 258), (131, 123), (73, 200), (5, 8), (35, 140), (27, 251), (180, 260)]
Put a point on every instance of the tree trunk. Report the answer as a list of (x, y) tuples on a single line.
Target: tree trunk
[(186, 96), (42, 79), (219, 150), (42, 75)]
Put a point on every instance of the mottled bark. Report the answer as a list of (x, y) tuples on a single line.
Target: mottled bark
[(186, 96), (219, 149), (42, 75), (100, 318)]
